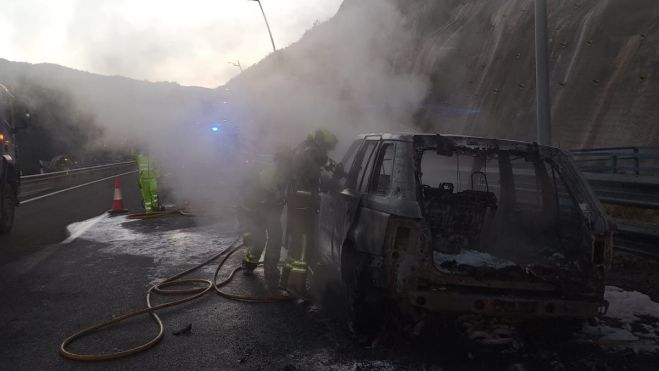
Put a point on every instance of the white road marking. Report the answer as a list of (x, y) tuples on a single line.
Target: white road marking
[(74, 187)]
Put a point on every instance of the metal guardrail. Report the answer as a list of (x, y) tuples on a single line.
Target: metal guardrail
[(619, 160), (638, 239), (41, 183), (626, 190), (626, 176)]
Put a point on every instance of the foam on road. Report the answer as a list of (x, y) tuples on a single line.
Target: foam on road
[(173, 241), (44, 221)]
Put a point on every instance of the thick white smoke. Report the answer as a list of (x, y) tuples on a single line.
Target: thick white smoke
[(340, 76)]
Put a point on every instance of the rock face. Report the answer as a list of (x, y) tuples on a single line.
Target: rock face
[(460, 66), (604, 60)]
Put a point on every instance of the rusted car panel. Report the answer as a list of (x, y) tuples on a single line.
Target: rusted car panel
[(465, 225)]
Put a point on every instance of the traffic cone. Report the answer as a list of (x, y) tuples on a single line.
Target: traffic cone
[(118, 202)]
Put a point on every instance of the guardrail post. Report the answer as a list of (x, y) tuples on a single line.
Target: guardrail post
[(636, 162), (614, 164)]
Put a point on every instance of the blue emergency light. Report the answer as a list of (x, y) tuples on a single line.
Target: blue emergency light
[(215, 129)]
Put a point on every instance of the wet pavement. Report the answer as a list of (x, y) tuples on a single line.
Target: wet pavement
[(105, 271), (44, 221)]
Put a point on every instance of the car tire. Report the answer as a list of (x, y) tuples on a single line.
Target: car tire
[(365, 301), (7, 208)]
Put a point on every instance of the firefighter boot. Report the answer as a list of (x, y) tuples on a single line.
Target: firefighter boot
[(295, 276), (249, 264), (250, 261)]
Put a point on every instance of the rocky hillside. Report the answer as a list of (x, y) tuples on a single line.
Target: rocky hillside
[(480, 55), (468, 67)]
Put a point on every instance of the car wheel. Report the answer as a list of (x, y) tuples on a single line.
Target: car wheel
[(365, 301), (7, 208)]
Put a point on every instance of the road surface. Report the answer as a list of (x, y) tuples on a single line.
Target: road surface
[(44, 221), (50, 290)]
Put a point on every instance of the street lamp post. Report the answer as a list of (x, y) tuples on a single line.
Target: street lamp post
[(274, 49), (543, 103)]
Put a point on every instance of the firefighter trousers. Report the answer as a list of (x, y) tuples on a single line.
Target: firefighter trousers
[(263, 228), (149, 188), (300, 238)]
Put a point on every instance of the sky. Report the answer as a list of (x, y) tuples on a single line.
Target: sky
[(190, 42)]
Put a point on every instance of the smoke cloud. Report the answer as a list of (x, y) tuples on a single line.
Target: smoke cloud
[(341, 76)]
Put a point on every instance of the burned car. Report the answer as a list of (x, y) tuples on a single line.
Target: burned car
[(451, 225)]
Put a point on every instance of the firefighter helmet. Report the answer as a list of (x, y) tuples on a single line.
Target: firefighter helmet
[(324, 139)]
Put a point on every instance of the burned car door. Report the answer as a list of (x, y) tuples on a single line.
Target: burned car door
[(338, 207), (369, 230)]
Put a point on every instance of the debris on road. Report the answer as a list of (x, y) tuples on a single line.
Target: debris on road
[(187, 330)]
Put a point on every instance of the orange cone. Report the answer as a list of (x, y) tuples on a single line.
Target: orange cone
[(118, 202)]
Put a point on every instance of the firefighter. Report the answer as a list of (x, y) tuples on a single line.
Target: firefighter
[(262, 201), (148, 183), (310, 159)]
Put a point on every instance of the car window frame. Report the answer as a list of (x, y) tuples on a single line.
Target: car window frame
[(353, 183), (372, 189)]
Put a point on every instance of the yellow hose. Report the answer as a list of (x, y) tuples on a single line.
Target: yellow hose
[(159, 288), (155, 214)]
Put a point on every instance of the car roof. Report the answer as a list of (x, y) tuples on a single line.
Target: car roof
[(462, 140)]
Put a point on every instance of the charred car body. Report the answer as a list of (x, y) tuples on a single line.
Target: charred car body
[(457, 225)]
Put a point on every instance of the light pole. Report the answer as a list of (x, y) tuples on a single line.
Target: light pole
[(543, 103), (274, 49)]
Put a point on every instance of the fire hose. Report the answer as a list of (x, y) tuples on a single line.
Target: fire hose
[(163, 288), (156, 214), (159, 214)]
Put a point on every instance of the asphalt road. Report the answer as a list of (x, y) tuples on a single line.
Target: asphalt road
[(50, 291), (44, 221)]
